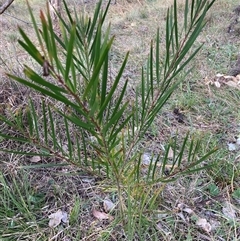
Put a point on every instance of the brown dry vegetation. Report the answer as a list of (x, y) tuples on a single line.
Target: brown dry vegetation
[(209, 113)]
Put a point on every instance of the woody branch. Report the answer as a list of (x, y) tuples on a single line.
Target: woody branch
[(5, 5)]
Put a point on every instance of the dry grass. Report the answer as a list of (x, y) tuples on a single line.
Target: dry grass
[(209, 113)]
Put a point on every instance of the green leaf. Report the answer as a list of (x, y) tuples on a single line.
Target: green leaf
[(97, 15), (117, 129), (69, 57), (176, 24), (38, 79), (34, 119), (113, 89), (45, 122), (45, 35), (19, 139), (30, 47), (213, 189), (52, 129), (57, 96), (236, 193), (98, 68), (49, 165), (76, 120), (36, 28), (69, 139)]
